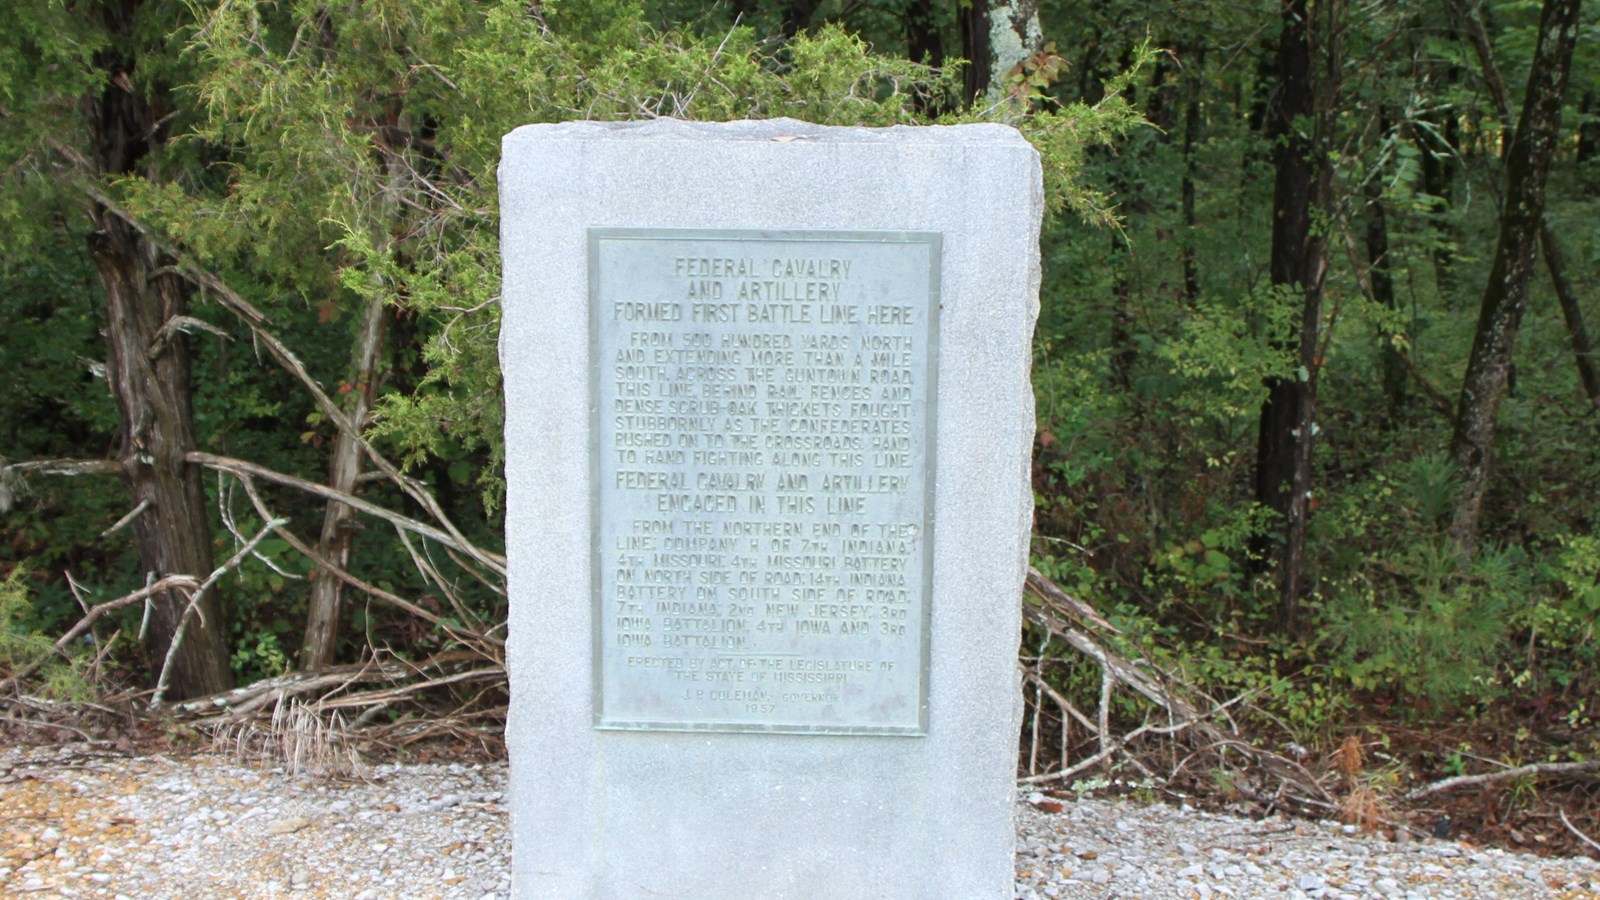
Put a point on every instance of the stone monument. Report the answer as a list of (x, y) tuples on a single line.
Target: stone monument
[(768, 424)]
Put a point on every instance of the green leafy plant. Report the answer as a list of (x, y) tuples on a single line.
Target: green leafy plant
[(22, 647)]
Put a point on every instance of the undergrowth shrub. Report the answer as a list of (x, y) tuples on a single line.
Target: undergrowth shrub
[(23, 645), (1416, 620)]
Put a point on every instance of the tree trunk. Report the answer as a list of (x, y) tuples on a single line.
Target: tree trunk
[(923, 43), (1505, 298), (1193, 81), (797, 16), (1302, 184), (1554, 257), (996, 37), (321, 642), (148, 373), (1377, 239), (972, 27), (1582, 350), (1589, 131), (1439, 147)]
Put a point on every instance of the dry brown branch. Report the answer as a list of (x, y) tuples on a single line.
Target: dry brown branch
[(240, 702), (225, 510), (1048, 590), (193, 609), (255, 321), (484, 643), (66, 467), (424, 565), (1118, 744), (387, 695), (1062, 702), (1569, 768), (300, 717), (1057, 612), (171, 582), (1574, 829), (127, 520), (299, 736), (241, 467)]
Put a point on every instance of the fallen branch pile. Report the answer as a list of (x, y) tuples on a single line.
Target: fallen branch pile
[(1180, 717)]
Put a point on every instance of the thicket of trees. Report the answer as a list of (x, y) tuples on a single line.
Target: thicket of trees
[(1333, 246), (1318, 409)]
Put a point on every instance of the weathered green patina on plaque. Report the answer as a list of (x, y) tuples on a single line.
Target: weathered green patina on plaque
[(764, 420)]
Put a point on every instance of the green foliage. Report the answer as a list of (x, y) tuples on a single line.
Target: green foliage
[(23, 645), (326, 156), (19, 646), (268, 593), (1154, 346), (1562, 620), (1065, 134), (1424, 628)]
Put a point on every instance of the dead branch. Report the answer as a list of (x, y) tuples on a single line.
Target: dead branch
[(1448, 784), (484, 643), (430, 573), (1062, 702), (1057, 612), (386, 696), (1048, 590), (1116, 745), (256, 322), (66, 467), (193, 609), (1574, 829), (127, 520), (225, 511), (493, 561), (171, 582), (184, 324), (240, 702)]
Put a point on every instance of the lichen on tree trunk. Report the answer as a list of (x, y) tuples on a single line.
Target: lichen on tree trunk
[(1505, 297)]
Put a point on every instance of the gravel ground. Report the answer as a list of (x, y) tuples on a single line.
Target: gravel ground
[(78, 824), (1104, 849)]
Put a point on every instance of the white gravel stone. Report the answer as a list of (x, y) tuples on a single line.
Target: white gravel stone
[(1275, 858), (462, 852)]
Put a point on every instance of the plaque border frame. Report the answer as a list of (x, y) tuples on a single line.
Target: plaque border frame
[(934, 240)]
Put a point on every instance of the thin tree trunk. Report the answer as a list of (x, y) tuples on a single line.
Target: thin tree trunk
[(1393, 367), (922, 33), (972, 27), (148, 373), (1123, 353), (1438, 175), (797, 16), (1582, 350), (321, 643), (1589, 131), (1439, 147), (1555, 259), (1505, 298), (925, 44), (1192, 82), (1302, 184)]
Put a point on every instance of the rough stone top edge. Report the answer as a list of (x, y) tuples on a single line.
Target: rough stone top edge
[(774, 130)]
